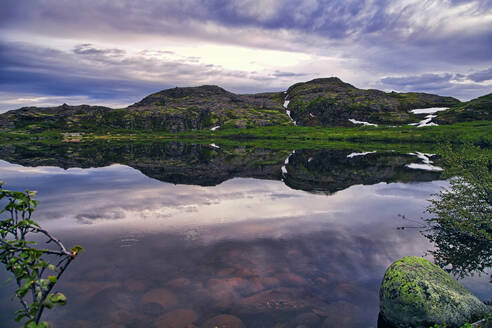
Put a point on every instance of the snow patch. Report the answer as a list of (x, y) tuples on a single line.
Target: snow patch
[(428, 118), (286, 104), (426, 122), (311, 114), (361, 122), (215, 128), (431, 110), (214, 145), (360, 154)]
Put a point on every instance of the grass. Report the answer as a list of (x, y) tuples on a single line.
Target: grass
[(477, 132)]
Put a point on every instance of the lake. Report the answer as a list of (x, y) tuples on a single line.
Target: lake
[(183, 235)]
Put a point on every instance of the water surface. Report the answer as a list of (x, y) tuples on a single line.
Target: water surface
[(178, 234)]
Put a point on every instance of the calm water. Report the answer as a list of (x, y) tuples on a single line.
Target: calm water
[(177, 234)]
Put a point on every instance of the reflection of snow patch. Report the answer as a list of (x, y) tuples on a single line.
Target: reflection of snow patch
[(426, 167), (423, 156), (431, 110), (286, 162), (361, 122), (215, 128), (214, 145), (310, 159), (360, 154), (426, 162)]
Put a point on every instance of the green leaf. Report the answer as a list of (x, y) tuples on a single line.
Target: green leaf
[(52, 279), (57, 298)]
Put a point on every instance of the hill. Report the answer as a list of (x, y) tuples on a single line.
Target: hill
[(477, 109), (320, 102), (332, 102)]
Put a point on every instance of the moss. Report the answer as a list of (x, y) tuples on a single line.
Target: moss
[(415, 290)]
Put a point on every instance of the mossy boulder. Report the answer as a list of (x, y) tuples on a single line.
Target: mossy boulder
[(417, 293)]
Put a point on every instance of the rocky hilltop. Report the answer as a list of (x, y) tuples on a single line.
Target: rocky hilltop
[(173, 110), (320, 102), (332, 102)]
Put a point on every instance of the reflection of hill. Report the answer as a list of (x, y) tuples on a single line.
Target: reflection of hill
[(331, 170), (311, 170), (173, 162)]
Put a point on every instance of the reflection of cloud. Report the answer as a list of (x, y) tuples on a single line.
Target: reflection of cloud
[(121, 196)]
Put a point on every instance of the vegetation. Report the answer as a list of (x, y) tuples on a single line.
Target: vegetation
[(477, 133), (461, 221), (34, 273), (475, 109)]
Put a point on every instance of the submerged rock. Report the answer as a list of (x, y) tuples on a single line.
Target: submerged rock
[(417, 293), (224, 321)]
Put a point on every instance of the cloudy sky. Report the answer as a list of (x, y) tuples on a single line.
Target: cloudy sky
[(116, 52)]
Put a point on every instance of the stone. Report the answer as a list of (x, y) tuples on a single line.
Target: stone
[(417, 293), (308, 319), (224, 321), (180, 318), (161, 296)]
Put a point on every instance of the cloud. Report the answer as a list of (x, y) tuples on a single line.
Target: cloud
[(481, 76), (424, 81), (123, 49), (444, 83)]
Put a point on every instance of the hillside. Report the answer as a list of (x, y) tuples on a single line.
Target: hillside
[(332, 102), (477, 109), (172, 110), (320, 102)]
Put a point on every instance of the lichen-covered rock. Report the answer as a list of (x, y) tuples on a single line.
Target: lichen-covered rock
[(417, 293)]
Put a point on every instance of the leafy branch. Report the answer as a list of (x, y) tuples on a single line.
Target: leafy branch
[(461, 221), (33, 272)]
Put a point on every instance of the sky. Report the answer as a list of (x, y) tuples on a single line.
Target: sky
[(114, 53)]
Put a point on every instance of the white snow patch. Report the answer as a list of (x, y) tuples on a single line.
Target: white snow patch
[(360, 154), (426, 121), (361, 122), (311, 114), (215, 128), (431, 110), (426, 167), (214, 145), (286, 104)]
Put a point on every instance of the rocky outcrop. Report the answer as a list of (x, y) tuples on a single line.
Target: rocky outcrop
[(477, 109), (205, 107), (170, 110), (325, 102), (417, 293), (332, 102), (64, 117)]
